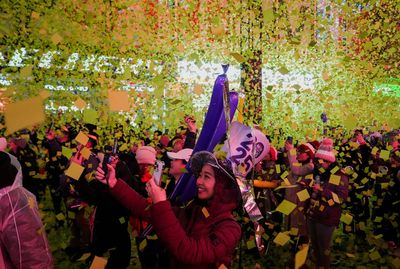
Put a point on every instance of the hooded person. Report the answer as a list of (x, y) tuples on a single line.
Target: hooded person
[(23, 242), (330, 190), (204, 234), (301, 165)]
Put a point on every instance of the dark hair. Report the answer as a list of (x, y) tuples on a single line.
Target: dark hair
[(7, 170)]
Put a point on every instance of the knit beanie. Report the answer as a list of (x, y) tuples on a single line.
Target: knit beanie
[(325, 151), (308, 149), (146, 155), (3, 144)]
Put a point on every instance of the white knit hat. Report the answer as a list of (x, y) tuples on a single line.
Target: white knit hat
[(325, 151), (146, 155)]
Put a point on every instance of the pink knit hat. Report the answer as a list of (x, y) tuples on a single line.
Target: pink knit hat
[(146, 155), (325, 151), (3, 144)]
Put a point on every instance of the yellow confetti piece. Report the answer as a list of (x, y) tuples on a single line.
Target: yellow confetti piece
[(374, 150), (82, 138), (74, 171), (281, 239), (284, 175), (331, 202), (67, 152), (286, 207), (350, 255), (251, 244), (71, 215), (60, 217), (238, 57), (84, 257), (142, 245), (122, 220), (384, 155), (205, 212), (374, 255), (346, 218), (334, 170), (335, 198), (294, 231), (152, 237), (301, 257), (396, 263), (334, 179), (303, 195)]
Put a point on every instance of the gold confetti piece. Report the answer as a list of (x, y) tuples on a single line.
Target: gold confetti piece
[(281, 239), (56, 38), (374, 255), (80, 104), (86, 153), (142, 245), (205, 212), (334, 179), (118, 100), (74, 171), (84, 257), (303, 195), (82, 138), (222, 266), (301, 257), (31, 202), (24, 114), (238, 57), (98, 263), (335, 198)]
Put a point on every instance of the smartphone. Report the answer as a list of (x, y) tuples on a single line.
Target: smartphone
[(290, 139), (158, 170)]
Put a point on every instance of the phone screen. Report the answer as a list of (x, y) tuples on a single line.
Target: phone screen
[(158, 170)]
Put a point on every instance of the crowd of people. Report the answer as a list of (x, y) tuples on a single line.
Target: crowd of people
[(328, 180)]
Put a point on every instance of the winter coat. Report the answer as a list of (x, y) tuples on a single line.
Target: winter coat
[(323, 209), (193, 238), (23, 243)]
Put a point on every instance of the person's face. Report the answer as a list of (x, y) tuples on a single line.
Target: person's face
[(144, 168), (177, 167), (178, 145), (302, 156), (205, 183)]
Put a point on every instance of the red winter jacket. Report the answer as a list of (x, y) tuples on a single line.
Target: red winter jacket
[(192, 239)]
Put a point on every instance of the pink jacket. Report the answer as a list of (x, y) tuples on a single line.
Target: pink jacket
[(23, 243)]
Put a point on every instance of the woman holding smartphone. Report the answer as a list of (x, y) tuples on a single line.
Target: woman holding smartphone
[(204, 234)]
